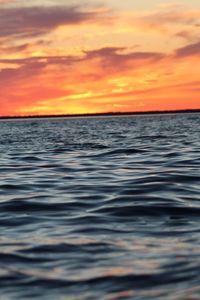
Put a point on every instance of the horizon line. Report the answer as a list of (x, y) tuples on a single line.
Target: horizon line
[(195, 110)]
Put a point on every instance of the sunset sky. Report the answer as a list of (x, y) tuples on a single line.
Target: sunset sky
[(68, 56)]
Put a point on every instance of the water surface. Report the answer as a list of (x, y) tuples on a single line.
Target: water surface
[(100, 208)]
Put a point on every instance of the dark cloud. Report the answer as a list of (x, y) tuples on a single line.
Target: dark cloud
[(117, 56), (34, 21), (189, 50), (6, 48), (21, 69), (111, 54)]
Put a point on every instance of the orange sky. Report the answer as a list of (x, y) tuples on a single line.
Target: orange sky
[(98, 56)]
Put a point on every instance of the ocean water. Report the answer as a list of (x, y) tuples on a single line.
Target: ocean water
[(100, 208)]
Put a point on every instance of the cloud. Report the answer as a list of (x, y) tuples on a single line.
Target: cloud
[(184, 34), (119, 57), (189, 50), (112, 55), (37, 20), (13, 49), (167, 19), (17, 71), (40, 59), (22, 48)]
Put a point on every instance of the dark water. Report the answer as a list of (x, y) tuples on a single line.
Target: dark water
[(105, 208)]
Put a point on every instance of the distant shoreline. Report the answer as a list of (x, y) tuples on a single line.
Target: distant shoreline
[(102, 114)]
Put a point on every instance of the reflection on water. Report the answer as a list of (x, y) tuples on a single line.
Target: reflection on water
[(100, 208)]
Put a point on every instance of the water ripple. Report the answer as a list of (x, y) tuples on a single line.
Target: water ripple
[(100, 208)]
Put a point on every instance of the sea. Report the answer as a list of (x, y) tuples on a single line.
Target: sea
[(101, 207)]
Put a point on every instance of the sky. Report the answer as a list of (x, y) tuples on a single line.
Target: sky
[(93, 56)]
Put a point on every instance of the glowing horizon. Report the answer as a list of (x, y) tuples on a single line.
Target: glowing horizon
[(97, 58)]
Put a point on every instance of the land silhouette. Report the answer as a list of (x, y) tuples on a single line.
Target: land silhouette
[(102, 114)]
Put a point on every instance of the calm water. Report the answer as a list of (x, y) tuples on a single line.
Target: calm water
[(100, 208)]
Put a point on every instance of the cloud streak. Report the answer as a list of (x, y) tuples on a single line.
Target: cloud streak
[(188, 50), (37, 20)]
